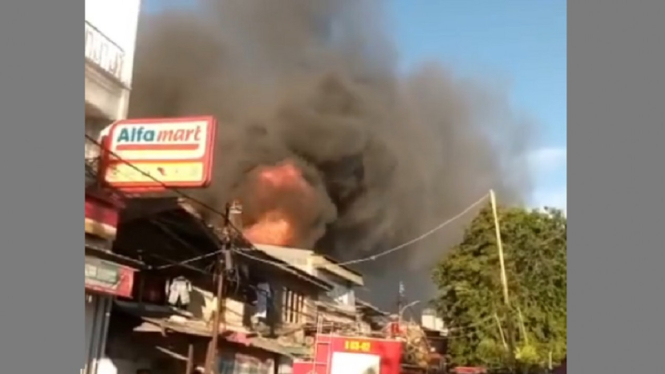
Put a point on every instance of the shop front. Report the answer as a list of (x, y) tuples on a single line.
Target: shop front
[(104, 278), (104, 281)]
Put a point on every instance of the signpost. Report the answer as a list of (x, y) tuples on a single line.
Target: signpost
[(154, 154)]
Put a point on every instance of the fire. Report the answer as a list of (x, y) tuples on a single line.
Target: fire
[(274, 228), (278, 187), (285, 176)]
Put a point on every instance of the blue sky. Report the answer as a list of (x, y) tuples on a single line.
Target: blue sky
[(523, 41)]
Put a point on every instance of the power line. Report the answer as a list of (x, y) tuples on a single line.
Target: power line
[(170, 232), (193, 259), (281, 265), (388, 251), (161, 184), (416, 239), (213, 210), (285, 266), (403, 245), (175, 236)]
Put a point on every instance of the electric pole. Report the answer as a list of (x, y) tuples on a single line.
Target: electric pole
[(214, 337), (504, 283), (224, 263), (400, 300)]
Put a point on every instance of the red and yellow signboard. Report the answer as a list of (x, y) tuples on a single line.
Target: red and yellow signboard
[(153, 154)]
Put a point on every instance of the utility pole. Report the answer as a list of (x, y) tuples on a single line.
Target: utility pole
[(504, 283), (223, 263), (499, 245), (400, 300), (214, 338)]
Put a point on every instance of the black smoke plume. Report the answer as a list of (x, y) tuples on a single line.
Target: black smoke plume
[(389, 154)]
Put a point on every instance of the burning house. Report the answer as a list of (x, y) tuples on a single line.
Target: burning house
[(278, 305), (320, 137), (337, 308), (167, 325), (333, 156)]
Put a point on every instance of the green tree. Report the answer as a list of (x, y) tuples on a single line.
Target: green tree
[(470, 296)]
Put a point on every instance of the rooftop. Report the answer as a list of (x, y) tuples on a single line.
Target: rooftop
[(323, 262)]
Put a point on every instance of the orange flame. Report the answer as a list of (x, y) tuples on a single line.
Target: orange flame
[(278, 226), (273, 228), (283, 176)]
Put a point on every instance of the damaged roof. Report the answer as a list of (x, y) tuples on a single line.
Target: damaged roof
[(258, 255), (163, 320), (189, 230)]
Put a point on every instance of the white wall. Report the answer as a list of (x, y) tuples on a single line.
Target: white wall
[(118, 20)]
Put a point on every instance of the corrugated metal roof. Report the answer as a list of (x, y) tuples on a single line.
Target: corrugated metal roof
[(164, 320)]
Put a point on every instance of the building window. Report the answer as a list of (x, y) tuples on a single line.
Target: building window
[(293, 305), (343, 295)]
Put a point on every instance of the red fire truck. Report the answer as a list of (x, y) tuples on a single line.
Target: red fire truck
[(352, 355)]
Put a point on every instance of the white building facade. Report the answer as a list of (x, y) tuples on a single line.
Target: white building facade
[(110, 39)]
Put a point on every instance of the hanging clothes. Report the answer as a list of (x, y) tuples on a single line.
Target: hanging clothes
[(178, 290), (263, 297)]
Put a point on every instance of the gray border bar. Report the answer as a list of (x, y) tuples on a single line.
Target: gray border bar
[(616, 109), (41, 199)]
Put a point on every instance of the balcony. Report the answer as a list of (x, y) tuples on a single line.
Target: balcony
[(105, 89)]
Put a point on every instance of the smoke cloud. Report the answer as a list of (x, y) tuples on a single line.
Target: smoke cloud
[(387, 155)]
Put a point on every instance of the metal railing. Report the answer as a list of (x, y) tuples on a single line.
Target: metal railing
[(103, 52)]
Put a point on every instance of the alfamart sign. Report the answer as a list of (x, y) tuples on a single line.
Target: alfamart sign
[(154, 153)]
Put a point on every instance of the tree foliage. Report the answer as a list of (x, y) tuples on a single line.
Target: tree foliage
[(470, 296)]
